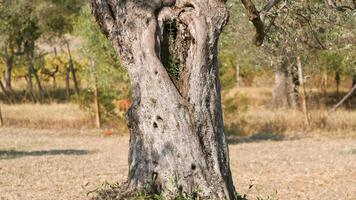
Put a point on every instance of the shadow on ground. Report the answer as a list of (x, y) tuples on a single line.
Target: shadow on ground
[(258, 137), (11, 154)]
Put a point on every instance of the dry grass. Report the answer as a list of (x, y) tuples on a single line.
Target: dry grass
[(48, 165), (290, 122), (66, 164), (248, 111), (46, 116)]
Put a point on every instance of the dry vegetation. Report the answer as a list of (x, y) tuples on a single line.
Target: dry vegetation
[(248, 111), (50, 151), (341, 124), (45, 116), (62, 165)]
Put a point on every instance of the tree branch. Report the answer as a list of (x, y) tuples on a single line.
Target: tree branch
[(258, 17), (348, 95), (315, 35), (268, 7), (256, 20)]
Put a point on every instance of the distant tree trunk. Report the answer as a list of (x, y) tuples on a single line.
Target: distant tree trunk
[(97, 104), (324, 82), (30, 71), (302, 91), (238, 75), (30, 85), (3, 89), (96, 94), (280, 90), (74, 77), (72, 70), (8, 71), (337, 80), (37, 78), (9, 61), (177, 143), (54, 81), (1, 118), (293, 84), (67, 81), (353, 83), (39, 85), (53, 73), (285, 91), (6, 93)]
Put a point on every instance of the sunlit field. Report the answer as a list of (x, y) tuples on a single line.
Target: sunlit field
[(53, 151)]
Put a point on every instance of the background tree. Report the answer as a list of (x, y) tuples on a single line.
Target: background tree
[(111, 79), (10, 38), (25, 23)]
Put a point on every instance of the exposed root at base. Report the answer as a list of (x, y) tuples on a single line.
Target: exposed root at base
[(114, 191), (122, 191)]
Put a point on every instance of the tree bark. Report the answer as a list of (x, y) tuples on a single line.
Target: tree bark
[(177, 139)]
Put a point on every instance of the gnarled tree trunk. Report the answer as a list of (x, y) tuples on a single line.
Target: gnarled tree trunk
[(169, 49)]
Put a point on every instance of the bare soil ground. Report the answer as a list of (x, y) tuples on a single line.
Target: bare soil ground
[(56, 165)]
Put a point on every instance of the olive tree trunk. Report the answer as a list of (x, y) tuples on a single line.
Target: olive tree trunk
[(169, 49)]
